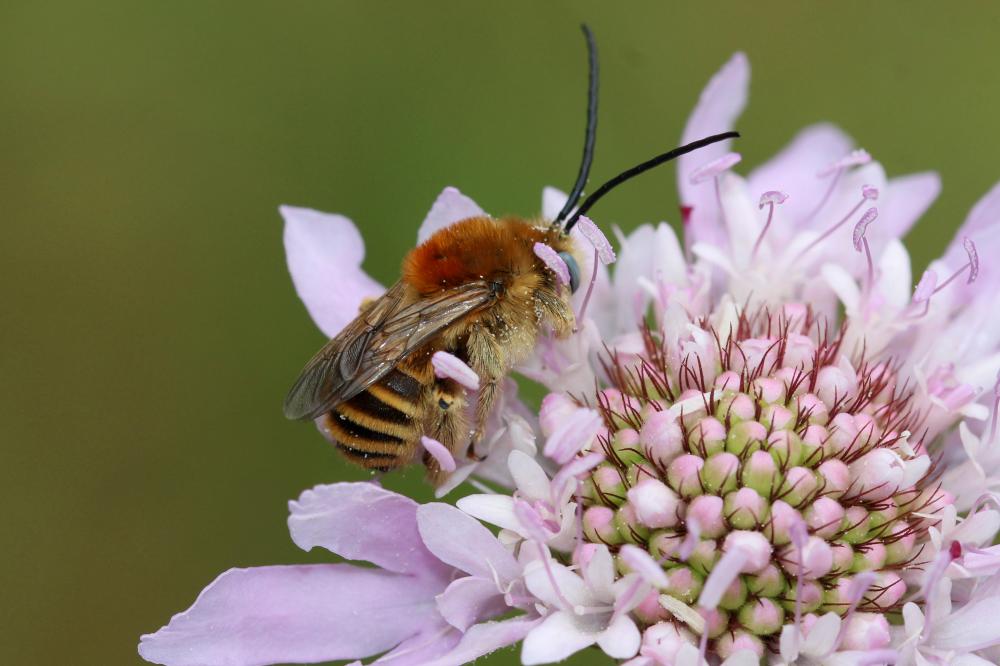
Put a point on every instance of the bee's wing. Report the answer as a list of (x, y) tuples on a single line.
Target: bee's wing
[(375, 342)]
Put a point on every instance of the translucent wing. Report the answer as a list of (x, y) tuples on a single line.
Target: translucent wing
[(394, 326)]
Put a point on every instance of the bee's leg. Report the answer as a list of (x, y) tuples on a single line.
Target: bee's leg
[(486, 358), (446, 422)]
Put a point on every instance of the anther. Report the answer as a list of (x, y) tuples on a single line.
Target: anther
[(972, 265), (770, 198), (715, 168), (861, 242), (854, 158)]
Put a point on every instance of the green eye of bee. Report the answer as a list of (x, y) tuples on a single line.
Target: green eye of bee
[(574, 270)]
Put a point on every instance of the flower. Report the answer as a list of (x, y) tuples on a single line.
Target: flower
[(439, 572), (788, 452)]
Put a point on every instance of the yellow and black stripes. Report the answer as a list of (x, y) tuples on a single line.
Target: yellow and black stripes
[(379, 427)]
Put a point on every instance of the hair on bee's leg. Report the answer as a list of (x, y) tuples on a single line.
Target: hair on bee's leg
[(487, 360), (445, 422)]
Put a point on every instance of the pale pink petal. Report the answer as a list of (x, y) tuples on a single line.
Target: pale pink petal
[(461, 541), (362, 521), (452, 367), (434, 641), (973, 627), (268, 615), (450, 207), (982, 227), (485, 638), (556, 638), (793, 170), (324, 254), (439, 452), (721, 103), (493, 509), (553, 261), (621, 639), (905, 200), (469, 600), (573, 435), (567, 587), (639, 561), (553, 200), (531, 480)]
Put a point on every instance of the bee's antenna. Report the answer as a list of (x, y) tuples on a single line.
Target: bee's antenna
[(591, 136), (629, 174)]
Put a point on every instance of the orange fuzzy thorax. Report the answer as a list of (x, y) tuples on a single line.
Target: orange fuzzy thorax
[(479, 248)]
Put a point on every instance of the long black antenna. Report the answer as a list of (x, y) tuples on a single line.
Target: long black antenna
[(591, 136), (642, 168)]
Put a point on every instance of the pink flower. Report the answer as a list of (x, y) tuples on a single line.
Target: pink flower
[(438, 572)]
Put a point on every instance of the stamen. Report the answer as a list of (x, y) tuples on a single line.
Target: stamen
[(450, 366), (439, 452), (861, 242), (690, 540), (590, 290), (715, 168), (543, 552), (972, 265), (855, 592), (867, 193), (770, 198), (799, 535), (597, 239), (941, 563), (553, 261), (854, 158)]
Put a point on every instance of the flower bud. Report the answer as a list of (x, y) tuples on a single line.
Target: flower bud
[(626, 447), (768, 582), (833, 384), (785, 447), (900, 545), (777, 417), (707, 510), (662, 438), (664, 544), (843, 558), (704, 557), (745, 436), (746, 509), (866, 631), (760, 472), (599, 525), (754, 545), (607, 484), (719, 473), (824, 517), (716, 621), (731, 642), (783, 517), (816, 408), (661, 642), (682, 475), (816, 555), (762, 616), (887, 590), (869, 557), (684, 584), (877, 475), (735, 595), (799, 485), (855, 525), (728, 381), (655, 504), (836, 477), (769, 389), (708, 437), (812, 596), (649, 610), (629, 526)]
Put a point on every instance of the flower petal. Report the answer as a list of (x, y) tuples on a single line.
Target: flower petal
[(267, 615), (461, 541), (906, 198), (324, 254), (485, 638), (556, 638), (469, 600), (493, 509), (621, 639), (553, 199), (793, 170), (450, 207), (719, 106), (532, 481), (361, 521)]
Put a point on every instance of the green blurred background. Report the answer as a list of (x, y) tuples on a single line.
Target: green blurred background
[(149, 328)]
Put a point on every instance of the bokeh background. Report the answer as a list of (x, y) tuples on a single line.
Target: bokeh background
[(148, 327)]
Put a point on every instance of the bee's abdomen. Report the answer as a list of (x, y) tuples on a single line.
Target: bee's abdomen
[(378, 428)]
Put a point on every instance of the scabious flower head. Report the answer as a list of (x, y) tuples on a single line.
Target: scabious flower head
[(791, 453)]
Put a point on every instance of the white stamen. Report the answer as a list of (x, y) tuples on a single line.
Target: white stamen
[(861, 243), (866, 195), (972, 265), (597, 239), (853, 158), (439, 452), (450, 366), (553, 261), (590, 290), (715, 168), (855, 592), (771, 199)]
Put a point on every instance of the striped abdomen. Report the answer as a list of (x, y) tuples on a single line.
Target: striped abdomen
[(378, 428)]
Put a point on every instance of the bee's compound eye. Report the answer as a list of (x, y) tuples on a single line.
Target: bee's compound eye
[(574, 270)]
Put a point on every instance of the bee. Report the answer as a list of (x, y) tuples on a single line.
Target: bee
[(475, 289)]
